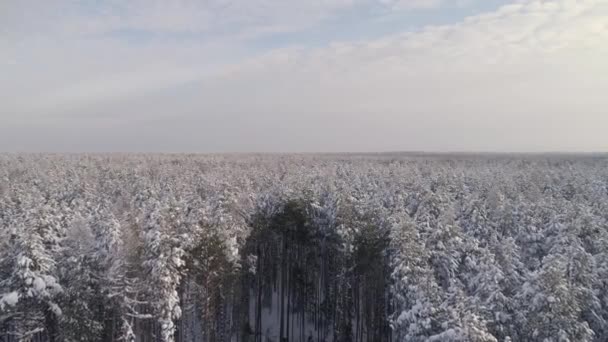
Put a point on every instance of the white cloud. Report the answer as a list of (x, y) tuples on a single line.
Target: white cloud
[(413, 4), (186, 16), (528, 76)]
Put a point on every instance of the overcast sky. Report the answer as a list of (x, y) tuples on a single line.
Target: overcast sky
[(303, 75)]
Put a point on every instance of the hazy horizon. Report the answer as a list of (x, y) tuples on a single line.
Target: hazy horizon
[(334, 76)]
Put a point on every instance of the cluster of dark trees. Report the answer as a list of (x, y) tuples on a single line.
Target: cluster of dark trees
[(311, 284)]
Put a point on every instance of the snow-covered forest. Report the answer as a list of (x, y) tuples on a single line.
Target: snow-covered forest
[(258, 248)]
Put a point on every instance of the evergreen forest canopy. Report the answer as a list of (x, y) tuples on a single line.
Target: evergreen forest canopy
[(259, 248)]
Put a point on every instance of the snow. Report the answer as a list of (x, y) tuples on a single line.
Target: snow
[(55, 309), (482, 249), (39, 284), (9, 299)]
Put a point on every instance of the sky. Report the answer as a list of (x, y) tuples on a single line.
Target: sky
[(304, 76)]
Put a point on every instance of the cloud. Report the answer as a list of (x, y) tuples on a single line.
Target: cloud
[(526, 77), (415, 4), (72, 54), (186, 16)]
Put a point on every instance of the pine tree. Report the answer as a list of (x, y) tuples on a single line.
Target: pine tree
[(552, 302), (163, 260), (31, 286)]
